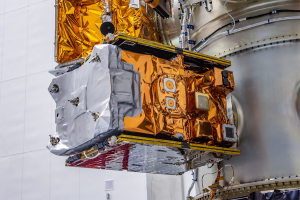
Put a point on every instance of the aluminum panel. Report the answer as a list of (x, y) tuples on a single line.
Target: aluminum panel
[(1, 41), (129, 181), (40, 37), (2, 6), (36, 179), (11, 5), (93, 188), (165, 187), (36, 1), (11, 177), (65, 182), (37, 111), (266, 87), (15, 44), (12, 106)]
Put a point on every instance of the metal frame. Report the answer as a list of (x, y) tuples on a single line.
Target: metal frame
[(243, 190), (183, 145), (171, 49), (264, 43)]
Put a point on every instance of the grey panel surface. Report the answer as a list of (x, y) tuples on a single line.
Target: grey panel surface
[(266, 86)]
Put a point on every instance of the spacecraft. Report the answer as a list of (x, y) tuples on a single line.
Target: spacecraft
[(126, 101)]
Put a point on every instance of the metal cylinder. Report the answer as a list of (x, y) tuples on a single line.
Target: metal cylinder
[(265, 62)]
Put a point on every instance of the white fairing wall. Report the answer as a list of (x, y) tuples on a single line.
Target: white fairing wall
[(27, 169), (164, 187)]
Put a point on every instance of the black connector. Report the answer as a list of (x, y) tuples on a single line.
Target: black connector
[(101, 145), (225, 82), (225, 74), (72, 159)]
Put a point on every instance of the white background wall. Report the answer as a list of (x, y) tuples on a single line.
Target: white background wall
[(164, 187), (27, 169)]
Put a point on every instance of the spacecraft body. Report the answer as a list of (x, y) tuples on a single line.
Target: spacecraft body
[(116, 91), (124, 101)]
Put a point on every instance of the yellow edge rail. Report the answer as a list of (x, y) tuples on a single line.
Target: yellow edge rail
[(205, 146), (206, 57), (172, 49), (149, 142), (135, 39), (145, 140), (216, 150), (145, 42), (149, 139), (161, 142)]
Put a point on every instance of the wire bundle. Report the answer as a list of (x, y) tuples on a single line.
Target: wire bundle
[(217, 172), (210, 38)]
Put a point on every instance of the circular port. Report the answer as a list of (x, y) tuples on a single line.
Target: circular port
[(170, 85), (170, 103)]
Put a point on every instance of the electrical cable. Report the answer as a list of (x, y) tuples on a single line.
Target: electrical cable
[(91, 157), (213, 192), (233, 21), (243, 19), (181, 8), (228, 32), (189, 27), (182, 38), (195, 176), (231, 181)]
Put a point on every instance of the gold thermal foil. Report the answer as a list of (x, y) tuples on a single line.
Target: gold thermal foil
[(79, 21), (219, 81), (202, 130), (168, 91)]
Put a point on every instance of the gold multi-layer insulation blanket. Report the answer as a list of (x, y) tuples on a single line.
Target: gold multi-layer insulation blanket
[(196, 125), (79, 21)]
